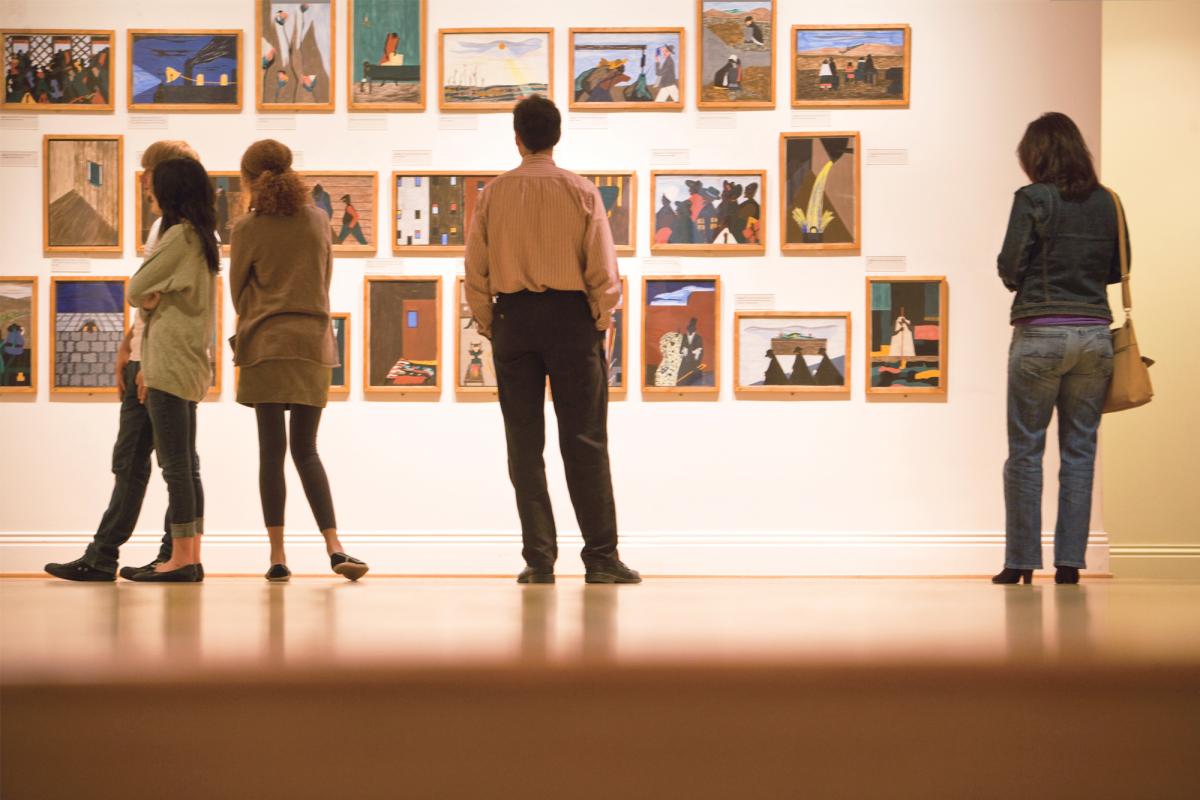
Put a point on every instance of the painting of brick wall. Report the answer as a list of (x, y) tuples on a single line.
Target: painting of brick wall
[(85, 348)]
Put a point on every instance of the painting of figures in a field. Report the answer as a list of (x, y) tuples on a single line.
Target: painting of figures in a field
[(791, 352), (185, 70), (82, 178), (707, 211), (58, 70), (432, 212), (89, 316), (295, 55), (737, 54), (821, 191), (850, 66), (680, 330), (403, 334), (491, 70), (907, 335), (387, 55), (627, 69), (18, 334)]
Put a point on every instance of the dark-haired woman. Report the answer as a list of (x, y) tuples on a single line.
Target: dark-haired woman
[(1060, 254), (176, 283), (280, 270)]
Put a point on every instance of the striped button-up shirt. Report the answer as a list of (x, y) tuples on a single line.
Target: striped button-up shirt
[(539, 227)]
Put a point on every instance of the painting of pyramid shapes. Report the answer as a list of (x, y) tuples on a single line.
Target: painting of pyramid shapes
[(627, 69), (737, 53), (339, 382), (474, 369), (618, 190), (294, 57), (185, 70), (350, 200), (779, 354), (821, 191), (89, 317), (402, 335), (81, 178), (681, 330), (908, 336), (432, 211), (491, 69), (387, 55), (63, 70), (231, 204), (708, 212), (850, 66), (18, 335)]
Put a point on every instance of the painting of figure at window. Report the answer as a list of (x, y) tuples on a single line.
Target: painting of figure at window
[(681, 327), (403, 334), (386, 54), (17, 333), (68, 70), (907, 335), (83, 194)]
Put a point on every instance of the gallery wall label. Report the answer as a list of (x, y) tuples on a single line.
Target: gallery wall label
[(282, 122), (12, 122), (887, 264), (716, 121), (887, 157), (670, 156), (18, 158), (366, 122)]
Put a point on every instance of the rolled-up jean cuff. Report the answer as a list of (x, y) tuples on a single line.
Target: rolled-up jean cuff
[(183, 530), (199, 526)]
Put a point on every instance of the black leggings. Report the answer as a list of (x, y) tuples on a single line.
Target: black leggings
[(272, 448)]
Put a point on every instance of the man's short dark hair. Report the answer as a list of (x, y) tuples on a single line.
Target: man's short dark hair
[(537, 123)]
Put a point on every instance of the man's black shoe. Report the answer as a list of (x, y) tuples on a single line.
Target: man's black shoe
[(611, 572), (530, 575), (77, 570)]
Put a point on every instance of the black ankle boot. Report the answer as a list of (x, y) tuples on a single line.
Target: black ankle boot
[(1066, 574), (1008, 575)]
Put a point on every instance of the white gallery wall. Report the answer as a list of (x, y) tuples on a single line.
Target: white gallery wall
[(749, 487)]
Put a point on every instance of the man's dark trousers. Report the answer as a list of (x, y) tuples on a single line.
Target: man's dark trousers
[(131, 473), (553, 333)]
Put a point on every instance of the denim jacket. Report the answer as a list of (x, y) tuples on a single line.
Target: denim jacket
[(1059, 256)]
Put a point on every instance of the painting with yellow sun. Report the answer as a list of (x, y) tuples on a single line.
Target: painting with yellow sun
[(486, 69)]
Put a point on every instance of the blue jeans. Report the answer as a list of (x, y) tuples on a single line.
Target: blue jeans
[(174, 423), (1068, 368)]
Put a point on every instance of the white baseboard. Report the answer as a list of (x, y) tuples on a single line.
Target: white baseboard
[(1156, 561), (496, 553)]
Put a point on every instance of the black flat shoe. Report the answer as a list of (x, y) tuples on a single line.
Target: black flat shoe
[(77, 570), (128, 572), (278, 573), (611, 572), (530, 575), (1007, 575), (1066, 574), (348, 566), (189, 573)]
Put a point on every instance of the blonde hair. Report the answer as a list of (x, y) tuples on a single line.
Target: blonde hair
[(167, 149)]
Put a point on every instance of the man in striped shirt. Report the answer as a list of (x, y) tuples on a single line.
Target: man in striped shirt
[(542, 283)]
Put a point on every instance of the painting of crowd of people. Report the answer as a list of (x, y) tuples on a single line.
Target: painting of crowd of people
[(59, 69), (721, 210)]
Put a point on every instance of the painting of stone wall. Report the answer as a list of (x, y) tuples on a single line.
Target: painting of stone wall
[(89, 317)]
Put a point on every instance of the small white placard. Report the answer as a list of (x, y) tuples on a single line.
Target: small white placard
[(367, 122), (754, 301), (888, 157), (887, 264), (670, 156), (276, 122), (18, 158), (385, 265), (589, 122), (716, 121), (19, 122), (73, 265), (298, 159), (412, 158), (812, 119), (660, 266), (148, 122), (458, 122)]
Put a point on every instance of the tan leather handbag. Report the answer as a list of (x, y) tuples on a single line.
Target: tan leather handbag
[(1130, 386)]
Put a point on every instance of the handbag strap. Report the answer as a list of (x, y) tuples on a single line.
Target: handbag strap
[(1126, 293)]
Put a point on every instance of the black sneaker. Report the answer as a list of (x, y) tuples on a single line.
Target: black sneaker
[(530, 575), (78, 570), (189, 573), (611, 572), (128, 572)]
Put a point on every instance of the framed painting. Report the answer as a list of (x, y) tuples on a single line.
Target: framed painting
[(619, 192), (402, 335), (491, 69), (432, 211), (626, 69), (216, 360), (821, 184), (616, 346), (908, 336), (192, 70), (58, 70), (351, 200), (387, 55), (708, 212), (474, 367), (779, 354), (295, 55), (736, 65), (89, 318), (18, 329), (681, 330), (81, 190), (851, 66), (232, 202), (339, 382)]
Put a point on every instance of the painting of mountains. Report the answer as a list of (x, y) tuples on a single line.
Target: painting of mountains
[(850, 65), (82, 181), (294, 55), (785, 353), (737, 54)]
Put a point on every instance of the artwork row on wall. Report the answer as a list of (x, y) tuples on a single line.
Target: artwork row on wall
[(695, 212), (479, 69), (777, 354)]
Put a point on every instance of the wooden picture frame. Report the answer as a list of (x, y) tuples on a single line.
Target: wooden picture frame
[(342, 390), (70, 208), (434, 333), (915, 336), (828, 36), (11, 301), (473, 106), (675, 184), (481, 384), (821, 384), (217, 356), (678, 57), (333, 201), (174, 74), (793, 238), (628, 198), (144, 218), (422, 203), (710, 96), (619, 335), (34, 39), (325, 99), (711, 336), (360, 10), (85, 322)]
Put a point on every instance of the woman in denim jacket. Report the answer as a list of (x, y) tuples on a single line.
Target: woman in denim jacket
[(1059, 256)]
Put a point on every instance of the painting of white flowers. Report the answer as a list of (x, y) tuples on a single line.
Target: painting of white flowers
[(295, 55), (821, 186)]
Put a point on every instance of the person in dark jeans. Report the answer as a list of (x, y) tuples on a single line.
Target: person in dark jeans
[(540, 243), (1060, 254)]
